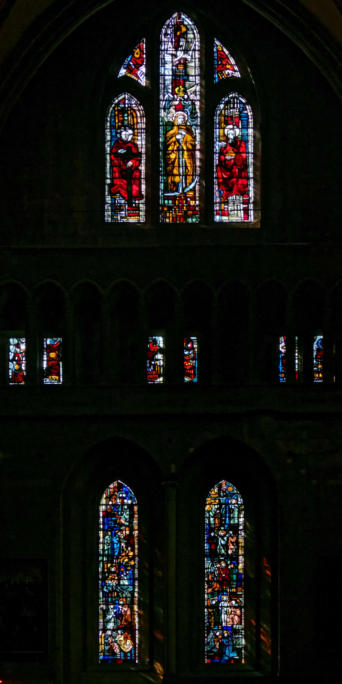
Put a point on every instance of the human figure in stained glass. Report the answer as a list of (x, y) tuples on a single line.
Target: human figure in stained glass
[(232, 174), (125, 161), (136, 62), (180, 155), (224, 64), (53, 367), (17, 358)]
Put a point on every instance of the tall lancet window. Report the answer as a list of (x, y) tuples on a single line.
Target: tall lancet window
[(224, 575), (125, 161), (118, 575), (179, 120), (233, 160)]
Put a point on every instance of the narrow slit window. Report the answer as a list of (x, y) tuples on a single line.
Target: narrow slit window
[(190, 359), (318, 355), (52, 361), (179, 120), (298, 359), (224, 575), (118, 575), (282, 359), (155, 360), (17, 360)]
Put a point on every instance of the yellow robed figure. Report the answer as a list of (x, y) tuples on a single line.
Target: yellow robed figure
[(180, 155)]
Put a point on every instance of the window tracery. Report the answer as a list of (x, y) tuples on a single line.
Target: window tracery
[(181, 139)]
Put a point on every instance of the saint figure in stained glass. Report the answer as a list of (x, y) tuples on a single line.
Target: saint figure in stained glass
[(125, 140), (224, 64), (233, 160), (224, 567), (190, 359), (17, 360), (155, 360), (179, 120), (118, 575), (135, 64), (52, 361)]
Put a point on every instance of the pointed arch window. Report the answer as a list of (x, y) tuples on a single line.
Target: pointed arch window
[(125, 161), (183, 144), (118, 575), (224, 575), (233, 170)]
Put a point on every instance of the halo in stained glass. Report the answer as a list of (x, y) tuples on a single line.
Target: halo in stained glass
[(125, 161), (118, 575), (224, 64), (224, 575), (179, 120), (134, 65), (233, 160)]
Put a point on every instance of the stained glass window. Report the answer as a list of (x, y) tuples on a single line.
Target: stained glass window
[(52, 361), (118, 575), (155, 360), (125, 161), (283, 354), (17, 360), (190, 359), (135, 64), (298, 359), (282, 359), (233, 160), (318, 353), (179, 120), (224, 575), (224, 64)]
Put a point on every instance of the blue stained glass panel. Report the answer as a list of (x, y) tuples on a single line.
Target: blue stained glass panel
[(224, 575), (118, 575)]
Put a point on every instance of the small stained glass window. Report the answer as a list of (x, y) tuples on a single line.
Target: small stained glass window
[(190, 359), (224, 575), (297, 361), (282, 359), (118, 575), (179, 120), (233, 160), (155, 360), (135, 64), (125, 161), (224, 64), (17, 360), (52, 361), (318, 354)]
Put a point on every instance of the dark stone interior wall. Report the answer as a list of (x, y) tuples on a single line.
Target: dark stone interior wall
[(284, 273)]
